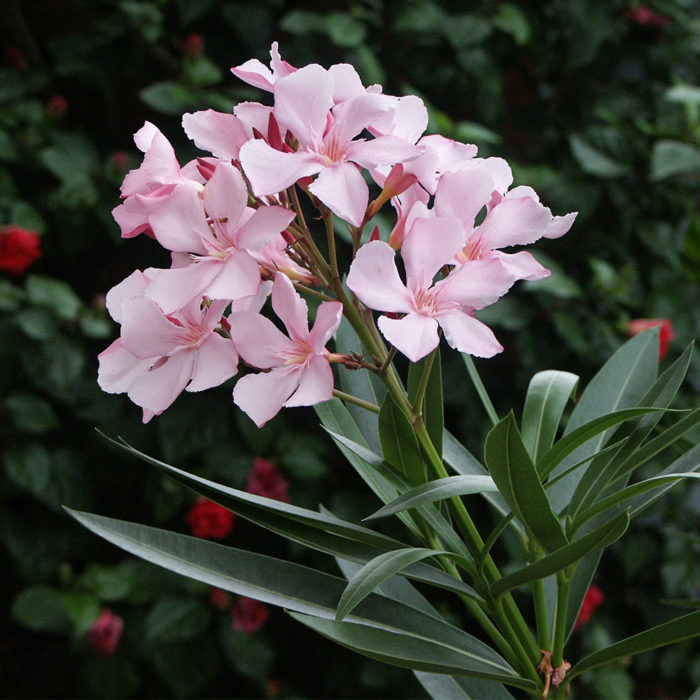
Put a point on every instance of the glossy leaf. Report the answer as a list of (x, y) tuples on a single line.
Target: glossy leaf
[(564, 557), (403, 650), (671, 632), (517, 480), (547, 397), (399, 443), (437, 490), (441, 686), (433, 403)]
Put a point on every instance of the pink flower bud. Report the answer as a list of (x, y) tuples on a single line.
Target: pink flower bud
[(19, 248), (249, 615), (105, 633), (210, 520), (639, 325)]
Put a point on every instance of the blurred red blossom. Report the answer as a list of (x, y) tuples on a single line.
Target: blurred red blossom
[(105, 633), (219, 598), (646, 17), (264, 479), (210, 520), (249, 615), (594, 598), (639, 325), (193, 45), (19, 248), (56, 107)]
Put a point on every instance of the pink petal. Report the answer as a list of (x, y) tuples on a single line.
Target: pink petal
[(346, 82), (179, 223), (415, 335), (157, 389), (262, 395), (352, 116), (271, 171), (343, 190), (253, 115), (174, 288), (266, 223), (132, 286), (255, 73), (217, 132), (374, 279), (254, 302), (428, 245), (258, 341), (216, 360), (475, 284), (238, 276), (118, 368), (315, 385), (516, 221), (559, 225), (382, 150), (159, 164), (407, 119), (302, 102), (280, 67), (463, 194), (440, 156), (466, 334), (145, 330), (290, 308), (226, 195), (522, 265), (328, 318)]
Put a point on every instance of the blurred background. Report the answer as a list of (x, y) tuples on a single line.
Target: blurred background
[(594, 104)]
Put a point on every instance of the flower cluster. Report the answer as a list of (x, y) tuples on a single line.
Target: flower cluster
[(237, 234)]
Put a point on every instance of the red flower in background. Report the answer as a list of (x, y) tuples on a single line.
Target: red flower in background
[(266, 480), (219, 598), (646, 17), (639, 325), (210, 520), (594, 598), (105, 633), (193, 45), (249, 615), (19, 248), (57, 107)]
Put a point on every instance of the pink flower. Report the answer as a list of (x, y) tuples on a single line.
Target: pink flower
[(249, 615), (255, 73), (593, 599), (325, 132), (19, 248), (159, 355), (264, 479), (299, 370), (216, 232), (430, 244), (639, 325), (105, 633), (210, 520), (219, 598)]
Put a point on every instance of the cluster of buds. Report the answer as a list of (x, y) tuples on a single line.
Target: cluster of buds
[(237, 233)]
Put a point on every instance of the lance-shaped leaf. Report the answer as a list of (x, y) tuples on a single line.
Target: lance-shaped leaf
[(376, 571), (564, 557), (418, 654), (546, 399), (399, 443), (668, 633), (433, 412), (437, 490), (517, 480), (282, 583), (441, 686)]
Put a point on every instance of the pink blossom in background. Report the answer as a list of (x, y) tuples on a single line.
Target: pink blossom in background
[(666, 335), (449, 304), (105, 633), (209, 520), (248, 615), (298, 370), (264, 479), (219, 598)]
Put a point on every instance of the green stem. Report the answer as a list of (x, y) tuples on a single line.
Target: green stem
[(355, 400), (563, 586), (541, 616), (330, 235), (423, 385), (480, 388)]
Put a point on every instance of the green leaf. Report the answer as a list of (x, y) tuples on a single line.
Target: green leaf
[(29, 466), (670, 158), (38, 324), (512, 20), (564, 557), (671, 632), (82, 609), (517, 480), (375, 572), (40, 609), (436, 490), (686, 94), (344, 30), (399, 443), (30, 413), (283, 583), (442, 686), (168, 97), (432, 408), (174, 619), (547, 397), (55, 295), (593, 160), (402, 650)]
